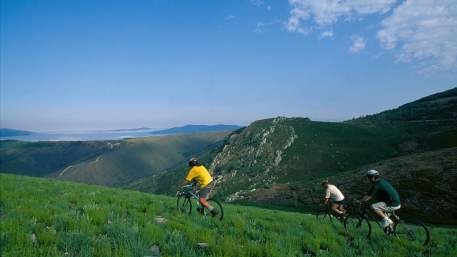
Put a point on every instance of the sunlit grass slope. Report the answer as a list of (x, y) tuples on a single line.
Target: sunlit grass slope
[(42, 217)]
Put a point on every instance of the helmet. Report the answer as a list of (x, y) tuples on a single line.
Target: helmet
[(324, 182), (372, 173), (193, 162)]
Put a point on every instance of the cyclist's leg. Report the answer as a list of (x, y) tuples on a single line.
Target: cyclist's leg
[(204, 194), (379, 209), (336, 208), (341, 208)]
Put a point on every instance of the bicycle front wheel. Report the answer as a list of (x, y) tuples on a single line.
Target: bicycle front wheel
[(412, 232), (323, 216), (357, 225), (184, 205), (219, 211)]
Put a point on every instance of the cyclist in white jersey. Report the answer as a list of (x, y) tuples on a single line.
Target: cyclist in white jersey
[(334, 197)]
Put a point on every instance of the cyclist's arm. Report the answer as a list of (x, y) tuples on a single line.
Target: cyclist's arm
[(370, 194), (366, 198), (190, 176), (327, 196), (183, 183)]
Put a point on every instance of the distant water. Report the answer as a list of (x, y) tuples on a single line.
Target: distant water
[(83, 135)]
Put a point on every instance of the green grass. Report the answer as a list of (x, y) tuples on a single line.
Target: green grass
[(69, 219)]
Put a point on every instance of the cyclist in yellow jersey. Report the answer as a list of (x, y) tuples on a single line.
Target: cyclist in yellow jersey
[(201, 176)]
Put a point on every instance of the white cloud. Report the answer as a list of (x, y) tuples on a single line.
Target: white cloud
[(326, 34), (424, 31), (324, 13), (420, 31), (358, 44)]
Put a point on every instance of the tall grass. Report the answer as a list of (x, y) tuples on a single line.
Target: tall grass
[(50, 218)]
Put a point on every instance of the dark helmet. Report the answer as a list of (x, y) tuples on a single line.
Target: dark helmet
[(193, 162), (324, 182)]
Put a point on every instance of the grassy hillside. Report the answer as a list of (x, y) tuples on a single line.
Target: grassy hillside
[(141, 157), (440, 106), (53, 218), (45, 158), (111, 163)]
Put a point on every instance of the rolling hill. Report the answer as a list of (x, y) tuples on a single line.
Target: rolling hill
[(111, 163)]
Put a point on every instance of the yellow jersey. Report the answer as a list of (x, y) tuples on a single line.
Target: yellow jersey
[(200, 174)]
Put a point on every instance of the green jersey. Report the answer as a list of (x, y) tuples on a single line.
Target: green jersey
[(383, 191)]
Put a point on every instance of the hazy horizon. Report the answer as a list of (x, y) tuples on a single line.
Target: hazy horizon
[(98, 65)]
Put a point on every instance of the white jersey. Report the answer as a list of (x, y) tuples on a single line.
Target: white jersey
[(334, 193)]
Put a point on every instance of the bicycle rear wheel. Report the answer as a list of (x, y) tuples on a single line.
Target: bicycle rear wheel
[(412, 232), (357, 225), (217, 206), (184, 205)]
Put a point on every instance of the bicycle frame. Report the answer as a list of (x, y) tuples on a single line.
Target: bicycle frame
[(191, 193)]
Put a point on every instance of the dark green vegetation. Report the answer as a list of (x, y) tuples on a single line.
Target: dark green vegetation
[(4, 132), (196, 128), (54, 218), (110, 163)]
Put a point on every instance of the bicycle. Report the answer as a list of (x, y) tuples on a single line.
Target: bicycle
[(359, 223), (184, 203)]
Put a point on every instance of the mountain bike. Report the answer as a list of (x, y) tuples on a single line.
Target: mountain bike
[(184, 202), (358, 223)]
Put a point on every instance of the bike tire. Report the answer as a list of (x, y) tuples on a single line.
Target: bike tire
[(415, 231), (217, 205), (323, 216), (357, 225), (184, 205)]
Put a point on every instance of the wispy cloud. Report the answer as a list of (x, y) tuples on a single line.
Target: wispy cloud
[(230, 18), (326, 34), (262, 27), (258, 3), (358, 44), (261, 4), (425, 31), (324, 13)]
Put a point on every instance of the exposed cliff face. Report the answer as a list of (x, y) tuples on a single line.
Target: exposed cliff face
[(253, 156)]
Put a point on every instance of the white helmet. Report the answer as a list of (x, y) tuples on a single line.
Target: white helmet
[(372, 173)]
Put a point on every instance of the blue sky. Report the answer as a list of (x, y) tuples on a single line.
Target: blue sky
[(122, 64)]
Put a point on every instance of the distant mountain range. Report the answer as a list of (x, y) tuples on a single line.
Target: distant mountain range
[(195, 128), (114, 134), (5, 132), (127, 130)]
